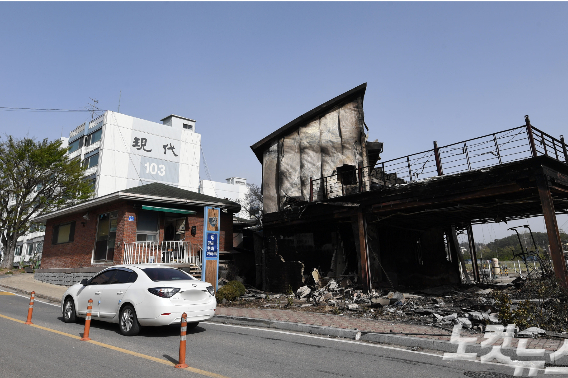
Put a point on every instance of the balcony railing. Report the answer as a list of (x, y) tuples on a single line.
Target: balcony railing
[(165, 252), (487, 151)]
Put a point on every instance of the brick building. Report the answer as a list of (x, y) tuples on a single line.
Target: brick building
[(153, 223)]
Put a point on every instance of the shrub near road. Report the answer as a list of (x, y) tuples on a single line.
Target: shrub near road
[(230, 291)]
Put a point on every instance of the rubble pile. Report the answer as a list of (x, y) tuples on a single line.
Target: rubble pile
[(443, 307), (537, 302)]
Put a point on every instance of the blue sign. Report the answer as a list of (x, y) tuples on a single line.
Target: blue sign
[(131, 218), (211, 248), (212, 245)]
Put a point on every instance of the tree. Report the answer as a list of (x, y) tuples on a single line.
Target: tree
[(252, 203), (35, 178)]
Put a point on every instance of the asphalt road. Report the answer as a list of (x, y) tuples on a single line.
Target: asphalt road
[(51, 349)]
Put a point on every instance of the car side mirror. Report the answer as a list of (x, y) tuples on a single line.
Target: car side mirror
[(84, 282)]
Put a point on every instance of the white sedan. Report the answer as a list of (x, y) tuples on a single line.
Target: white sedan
[(141, 295)]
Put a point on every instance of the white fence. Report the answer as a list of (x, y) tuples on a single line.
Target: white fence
[(165, 252)]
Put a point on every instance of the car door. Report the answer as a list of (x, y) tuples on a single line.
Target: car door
[(112, 293), (93, 290)]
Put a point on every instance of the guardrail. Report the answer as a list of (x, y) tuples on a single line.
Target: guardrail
[(165, 252), (490, 150)]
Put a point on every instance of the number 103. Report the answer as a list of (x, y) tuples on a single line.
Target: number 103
[(153, 168)]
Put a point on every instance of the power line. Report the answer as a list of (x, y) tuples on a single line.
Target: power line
[(9, 109)]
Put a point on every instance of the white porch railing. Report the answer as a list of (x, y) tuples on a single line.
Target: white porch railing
[(165, 252)]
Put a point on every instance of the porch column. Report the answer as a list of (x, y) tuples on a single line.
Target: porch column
[(552, 230)]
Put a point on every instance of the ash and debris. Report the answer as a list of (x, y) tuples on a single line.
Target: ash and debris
[(537, 307)]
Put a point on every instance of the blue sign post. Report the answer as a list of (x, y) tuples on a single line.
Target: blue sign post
[(211, 230)]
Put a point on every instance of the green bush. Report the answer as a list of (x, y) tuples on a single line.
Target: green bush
[(230, 291)]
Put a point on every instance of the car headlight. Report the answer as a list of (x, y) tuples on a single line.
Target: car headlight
[(164, 292), (211, 290)]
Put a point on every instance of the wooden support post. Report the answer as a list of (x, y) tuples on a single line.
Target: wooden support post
[(564, 149), (552, 230), (365, 272), (473, 253), (438, 160)]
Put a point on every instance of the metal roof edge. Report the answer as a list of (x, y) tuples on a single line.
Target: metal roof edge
[(121, 195), (81, 206)]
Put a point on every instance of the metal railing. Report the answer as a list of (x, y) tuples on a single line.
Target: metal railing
[(490, 150), (165, 252)]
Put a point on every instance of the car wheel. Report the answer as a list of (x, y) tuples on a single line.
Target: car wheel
[(69, 314), (192, 325), (128, 321)]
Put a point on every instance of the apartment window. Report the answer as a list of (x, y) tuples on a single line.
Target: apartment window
[(18, 251), (94, 137), (187, 126), (91, 161), (75, 145), (39, 248), (63, 233), (106, 236), (92, 180), (37, 227), (147, 226), (30, 249)]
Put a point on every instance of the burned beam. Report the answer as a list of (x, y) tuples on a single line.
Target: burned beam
[(473, 253), (412, 202), (552, 230), (365, 272)]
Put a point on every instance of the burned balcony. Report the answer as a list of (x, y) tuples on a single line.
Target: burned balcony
[(479, 153)]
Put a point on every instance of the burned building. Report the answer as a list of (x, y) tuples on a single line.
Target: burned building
[(332, 205)]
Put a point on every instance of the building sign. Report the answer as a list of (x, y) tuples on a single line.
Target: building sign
[(159, 170), (154, 157), (211, 238), (131, 218), (212, 245)]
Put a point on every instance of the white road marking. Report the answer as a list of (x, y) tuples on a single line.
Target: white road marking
[(319, 337), (27, 296)]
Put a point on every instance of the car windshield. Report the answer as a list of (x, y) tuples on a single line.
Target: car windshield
[(164, 274)]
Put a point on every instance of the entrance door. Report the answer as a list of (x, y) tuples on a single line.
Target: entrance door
[(106, 236)]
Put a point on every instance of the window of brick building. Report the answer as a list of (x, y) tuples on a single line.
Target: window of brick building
[(147, 226), (63, 233)]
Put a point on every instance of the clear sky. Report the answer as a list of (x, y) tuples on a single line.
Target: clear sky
[(444, 71)]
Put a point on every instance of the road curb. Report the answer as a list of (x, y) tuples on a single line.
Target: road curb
[(20, 291), (354, 334)]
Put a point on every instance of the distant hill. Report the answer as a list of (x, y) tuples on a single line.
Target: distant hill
[(505, 248)]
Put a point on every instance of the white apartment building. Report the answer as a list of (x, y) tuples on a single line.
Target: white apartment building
[(121, 152), (234, 189)]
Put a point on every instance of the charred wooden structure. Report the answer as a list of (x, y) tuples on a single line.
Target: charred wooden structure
[(332, 205)]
